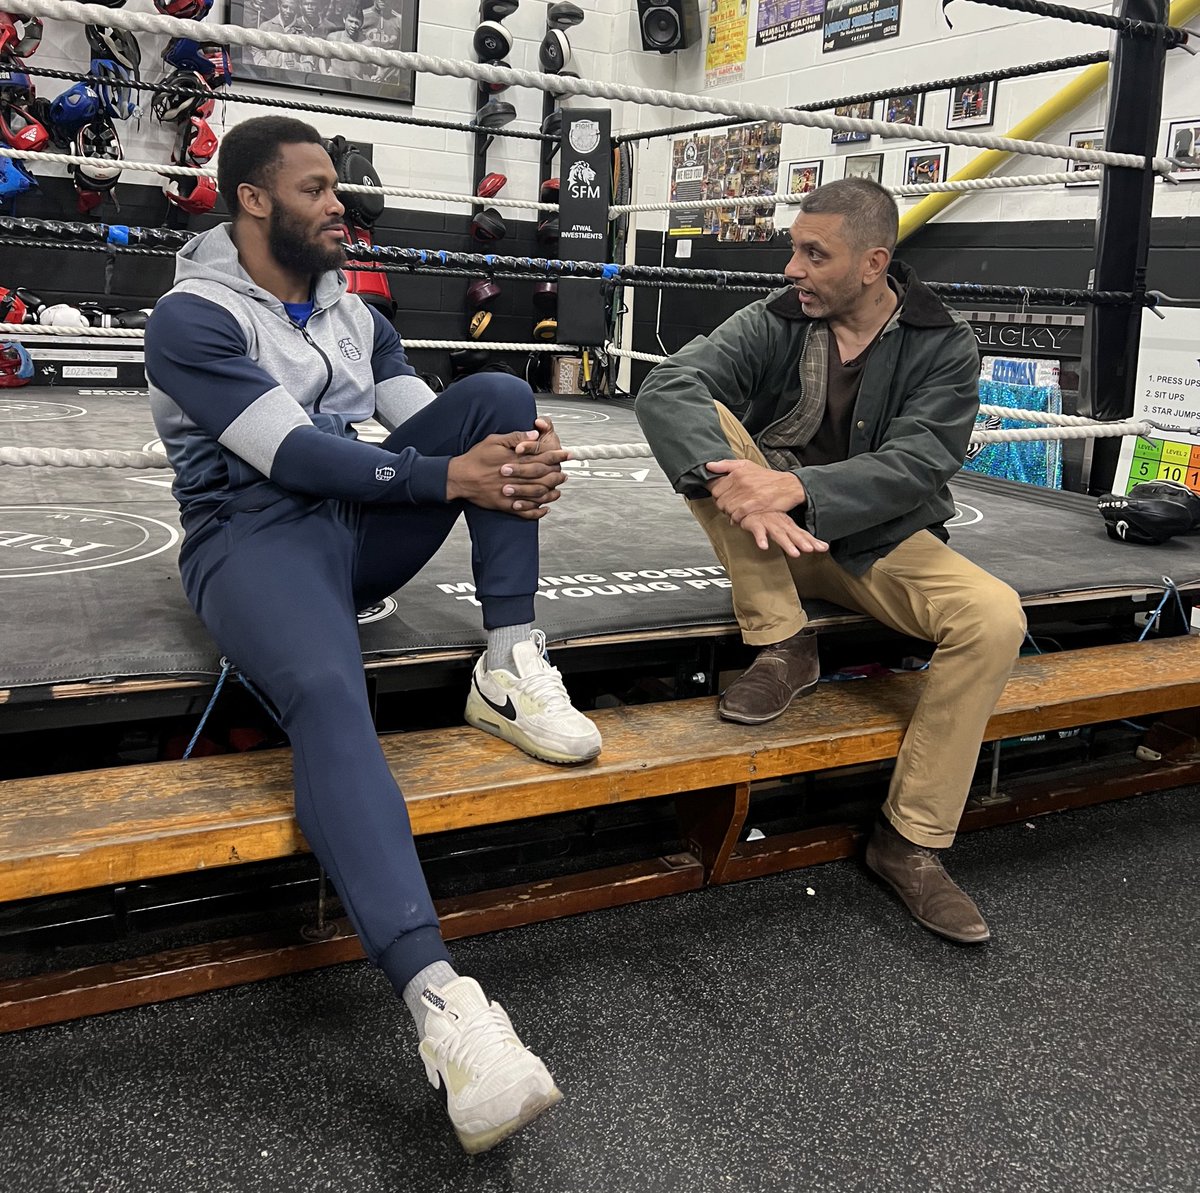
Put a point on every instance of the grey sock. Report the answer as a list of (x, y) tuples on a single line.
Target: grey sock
[(500, 643), (437, 974)]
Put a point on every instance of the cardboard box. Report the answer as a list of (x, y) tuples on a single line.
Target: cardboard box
[(566, 376)]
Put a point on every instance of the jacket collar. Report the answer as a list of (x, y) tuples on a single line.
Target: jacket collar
[(922, 308)]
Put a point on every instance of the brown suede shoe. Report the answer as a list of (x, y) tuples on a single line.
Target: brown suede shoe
[(916, 874), (777, 676)]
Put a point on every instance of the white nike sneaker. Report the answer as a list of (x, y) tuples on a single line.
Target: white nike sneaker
[(531, 709), (494, 1085)]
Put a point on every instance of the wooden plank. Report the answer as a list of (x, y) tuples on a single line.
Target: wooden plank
[(69, 832), (94, 990)]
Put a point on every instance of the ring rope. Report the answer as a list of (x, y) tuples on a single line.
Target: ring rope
[(986, 76), (1170, 34), (234, 97), (349, 188), (1003, 182), (558, 84), (65, 457)]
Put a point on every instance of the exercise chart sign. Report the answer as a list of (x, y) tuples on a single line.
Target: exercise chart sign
[(1168, 392)]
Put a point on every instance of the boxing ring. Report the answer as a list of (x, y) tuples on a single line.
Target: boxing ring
[(89, 576)]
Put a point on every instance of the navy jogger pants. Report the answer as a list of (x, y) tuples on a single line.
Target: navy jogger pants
[(279, 587)]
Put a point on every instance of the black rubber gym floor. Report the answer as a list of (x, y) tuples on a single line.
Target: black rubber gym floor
[(796, 1033)]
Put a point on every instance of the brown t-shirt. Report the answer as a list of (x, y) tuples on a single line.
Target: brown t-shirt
[(831, 443)]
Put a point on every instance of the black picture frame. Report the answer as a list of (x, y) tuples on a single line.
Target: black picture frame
[(390, 24), (904, 107)]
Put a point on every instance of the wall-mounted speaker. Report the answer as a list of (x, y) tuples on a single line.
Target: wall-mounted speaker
[(669, 25)]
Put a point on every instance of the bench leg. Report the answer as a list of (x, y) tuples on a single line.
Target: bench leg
[(710, 823)]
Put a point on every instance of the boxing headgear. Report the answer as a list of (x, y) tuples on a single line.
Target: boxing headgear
[(1171, 491), (97, 141), (490, 185), (19, 36), (222, 65), (74, 108), (15, 179), (479, 324), (19, 129), (196, 196), (15, 85), (198, 143), (497, 10), (487, 226), (111, 82), (555, 51), (480, 292), (62, 315), (184, 53), (12, 307), (545, 329), (185, 10), (549, 191), (496, 88), (552, 127), (547, 232), (491, 41), (16, 365), (189, 95), (117, 44), (1143, 519)]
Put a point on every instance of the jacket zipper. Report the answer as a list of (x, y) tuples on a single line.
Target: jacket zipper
[(328, 366)]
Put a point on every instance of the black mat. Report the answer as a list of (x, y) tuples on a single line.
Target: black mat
[(88, 556)]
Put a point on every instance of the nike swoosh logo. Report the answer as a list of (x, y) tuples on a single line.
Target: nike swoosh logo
[(507, 710)]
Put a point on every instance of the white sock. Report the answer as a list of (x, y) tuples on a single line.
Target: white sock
[(437, 974), (500, 643)]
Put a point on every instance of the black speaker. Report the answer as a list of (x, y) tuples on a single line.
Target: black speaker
[(669, 24)]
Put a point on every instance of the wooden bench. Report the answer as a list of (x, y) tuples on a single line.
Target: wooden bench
[(72, 832)]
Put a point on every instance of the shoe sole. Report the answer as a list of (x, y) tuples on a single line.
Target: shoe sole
[(512, 734), (891, 886), (741, 719), (533, 1106)]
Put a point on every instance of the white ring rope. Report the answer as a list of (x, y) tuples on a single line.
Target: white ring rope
[(206, 32), (61, 457), (783, 198), (169, 170)]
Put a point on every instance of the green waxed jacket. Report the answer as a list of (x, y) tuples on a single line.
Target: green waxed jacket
[(915, 413)]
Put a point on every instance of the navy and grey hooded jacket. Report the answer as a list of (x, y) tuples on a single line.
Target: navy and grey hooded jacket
[(244, 398)]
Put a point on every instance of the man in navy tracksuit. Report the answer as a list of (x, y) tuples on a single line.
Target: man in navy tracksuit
[(259, 362)]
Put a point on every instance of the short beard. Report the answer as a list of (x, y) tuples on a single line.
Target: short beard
[(297, 254)]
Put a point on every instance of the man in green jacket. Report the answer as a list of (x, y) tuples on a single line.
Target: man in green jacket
[(814, 434)]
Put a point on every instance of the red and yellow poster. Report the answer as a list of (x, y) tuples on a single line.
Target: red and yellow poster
[(728, 32)]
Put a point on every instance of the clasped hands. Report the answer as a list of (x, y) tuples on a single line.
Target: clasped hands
[(758, 500), (518, 473)]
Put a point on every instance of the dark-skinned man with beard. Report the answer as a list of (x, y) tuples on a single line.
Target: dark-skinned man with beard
[(814, 435), (259, 364)]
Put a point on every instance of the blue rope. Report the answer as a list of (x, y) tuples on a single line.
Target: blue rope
[(225, 669)]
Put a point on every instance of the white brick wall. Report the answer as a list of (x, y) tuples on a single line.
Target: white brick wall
[(607, 46)]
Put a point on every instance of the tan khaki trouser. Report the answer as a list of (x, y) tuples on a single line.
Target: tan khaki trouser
[(922, 589)]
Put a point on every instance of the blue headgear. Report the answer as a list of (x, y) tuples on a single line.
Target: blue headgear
[(184, 54), (74, 108), (111, 82), (14, 178), (15, 84)]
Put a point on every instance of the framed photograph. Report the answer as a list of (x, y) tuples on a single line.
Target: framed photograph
[(387, 24), (803, 177), (1093, 138), (864, 165), (859, 112), (972, 105), (904, 109), (927, 164), (1183, 147)]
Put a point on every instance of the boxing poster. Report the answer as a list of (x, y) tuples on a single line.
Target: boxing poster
[(779, 19), (856, 22)]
